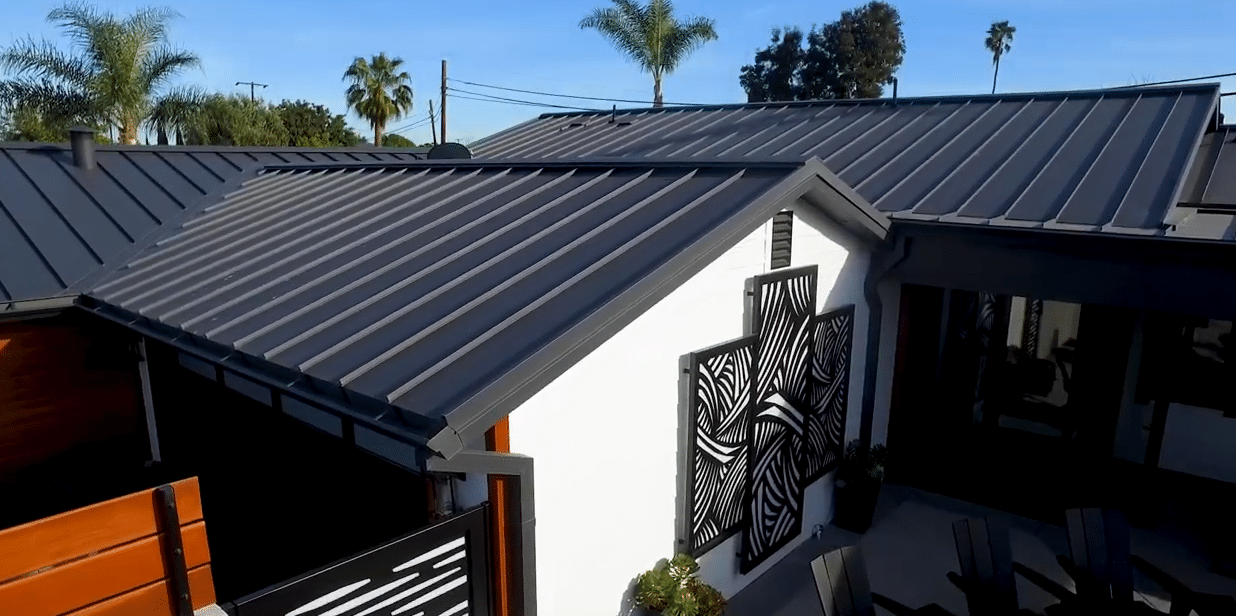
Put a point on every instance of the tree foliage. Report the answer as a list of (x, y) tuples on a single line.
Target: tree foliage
[(118, 72), (999, 42), (650, 35), (853, 57), (397, 141), (379, 91), (234, 120), (314, 126)]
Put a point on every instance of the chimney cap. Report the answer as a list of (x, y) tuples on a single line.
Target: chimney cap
[(82, 129)]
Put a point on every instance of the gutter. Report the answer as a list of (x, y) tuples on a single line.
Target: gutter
[(516, 465), (881, 265), (17, 310)]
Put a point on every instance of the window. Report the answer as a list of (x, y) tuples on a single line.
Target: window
[(782, 239)]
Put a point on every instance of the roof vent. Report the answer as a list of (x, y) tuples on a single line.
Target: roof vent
[(81, 139), (449, 150)]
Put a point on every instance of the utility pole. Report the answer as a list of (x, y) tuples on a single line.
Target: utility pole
[(442, 111), (251, 85), (432, 129)]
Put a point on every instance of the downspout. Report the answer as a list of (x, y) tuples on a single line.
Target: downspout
[(881, 264)]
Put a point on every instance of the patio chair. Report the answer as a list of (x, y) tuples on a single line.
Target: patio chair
[(841, 580), (986, 561), (1102, 567)]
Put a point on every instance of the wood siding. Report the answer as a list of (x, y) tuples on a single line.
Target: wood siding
[(64, 381)]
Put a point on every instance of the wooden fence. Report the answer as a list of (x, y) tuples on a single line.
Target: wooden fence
[(144, 553)]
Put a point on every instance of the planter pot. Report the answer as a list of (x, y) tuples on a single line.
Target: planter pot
[(856, 506)]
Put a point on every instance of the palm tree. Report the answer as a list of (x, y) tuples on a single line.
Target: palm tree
[(118, 72), (379, 92), (999, 42), (650, 36)]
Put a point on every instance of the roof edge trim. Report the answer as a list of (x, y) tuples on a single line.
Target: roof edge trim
[(474, 416), (30, 308)]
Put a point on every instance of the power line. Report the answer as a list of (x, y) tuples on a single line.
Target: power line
[(500, 99), (590, 98), (417, 124), (522, 103), (1161, 83)]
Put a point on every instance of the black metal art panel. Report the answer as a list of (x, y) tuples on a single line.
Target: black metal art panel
[(830, 386), (441, 570), (783, 307), (719, 419)]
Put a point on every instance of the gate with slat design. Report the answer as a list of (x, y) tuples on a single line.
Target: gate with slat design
[(441, 570)]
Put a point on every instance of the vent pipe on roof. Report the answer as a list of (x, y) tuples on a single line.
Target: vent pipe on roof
[(81, 139)]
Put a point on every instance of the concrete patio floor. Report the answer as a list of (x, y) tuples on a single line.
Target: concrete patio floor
[(909, 549)]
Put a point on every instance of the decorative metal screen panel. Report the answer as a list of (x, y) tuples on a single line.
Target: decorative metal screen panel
[(830, 387), (783, 304), (441, 570), (719, 416)]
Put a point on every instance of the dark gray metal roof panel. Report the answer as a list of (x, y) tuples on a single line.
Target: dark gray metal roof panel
[(1105, 160), (60, 224), (419, 285), (1208, 200)]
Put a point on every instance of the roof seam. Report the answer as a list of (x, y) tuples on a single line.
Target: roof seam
[(389, 267), (1111, 136), (63, 219), (560, 288), (1115, 215)]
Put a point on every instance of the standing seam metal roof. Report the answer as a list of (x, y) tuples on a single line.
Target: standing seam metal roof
[(1208, 203), (1107, 160), (419, 285), (60, 223)]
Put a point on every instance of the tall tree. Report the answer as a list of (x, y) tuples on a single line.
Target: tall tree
[(775, 74), (379, 92), (999, 42), (118, 71), (853, 57), (314, 126), (650, 36)]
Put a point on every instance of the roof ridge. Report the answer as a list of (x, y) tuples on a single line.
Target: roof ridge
[(904, 100)]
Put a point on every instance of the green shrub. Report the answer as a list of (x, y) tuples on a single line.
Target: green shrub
[(673, 589)]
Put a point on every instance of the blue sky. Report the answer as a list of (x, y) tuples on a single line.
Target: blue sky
[(301, 47)]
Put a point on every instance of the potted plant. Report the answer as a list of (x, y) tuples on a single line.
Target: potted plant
[(672, 589), (858, 486)]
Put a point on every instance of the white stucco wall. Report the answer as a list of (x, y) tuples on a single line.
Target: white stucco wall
[(605, 434)]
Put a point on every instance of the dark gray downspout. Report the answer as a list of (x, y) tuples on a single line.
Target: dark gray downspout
[(882, 262)]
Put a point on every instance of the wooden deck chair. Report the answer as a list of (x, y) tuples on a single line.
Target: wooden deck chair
[(985, 557), (144, 553), (1098, 558), (841, 580), (1101, 563)]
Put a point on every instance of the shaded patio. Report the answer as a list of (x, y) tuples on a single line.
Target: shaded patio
[(909, 549)]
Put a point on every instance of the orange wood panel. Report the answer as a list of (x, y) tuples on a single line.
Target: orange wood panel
[(107, 574), (69, 535), (154, 599), (54, 398), (498, 438), (503, 524)]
